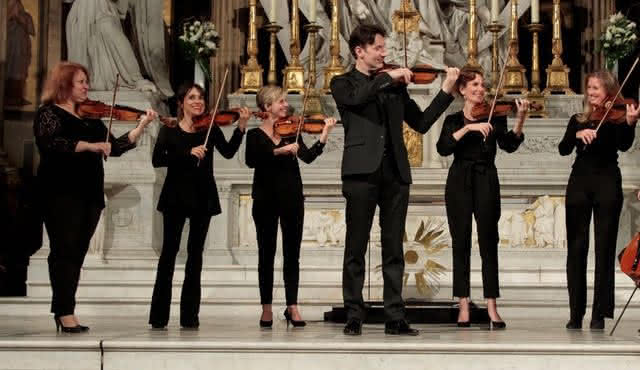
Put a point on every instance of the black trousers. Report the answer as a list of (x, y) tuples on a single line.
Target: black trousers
[(473, 189), (70, 222), (597, 191), (190, 297), (266, 214), (363, 192)]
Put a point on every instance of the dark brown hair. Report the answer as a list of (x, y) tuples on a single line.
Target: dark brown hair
[(363, 35), (183, 90), (57, 88), (466, 75)]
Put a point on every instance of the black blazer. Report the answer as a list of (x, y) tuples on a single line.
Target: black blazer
[(190, 188), (364, 104)]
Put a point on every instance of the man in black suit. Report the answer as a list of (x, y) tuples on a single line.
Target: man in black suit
[(375, 168)]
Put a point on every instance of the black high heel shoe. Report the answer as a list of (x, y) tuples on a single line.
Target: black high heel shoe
[(465, 324), (68, 329), (295, 323), (266, 323)]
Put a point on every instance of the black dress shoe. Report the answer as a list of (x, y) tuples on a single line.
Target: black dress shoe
[(353, 327), (464, 324), (597, 324), (399, 327), (574, 324), (497, 325), (192, 325), (266, 323), (156, 326)]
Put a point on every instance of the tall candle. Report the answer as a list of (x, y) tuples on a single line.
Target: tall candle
[(495, 11), (272, 11), (312, 14), (535, 11)]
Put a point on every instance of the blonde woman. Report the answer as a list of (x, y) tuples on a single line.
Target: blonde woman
[(595, 187), (277, 197)]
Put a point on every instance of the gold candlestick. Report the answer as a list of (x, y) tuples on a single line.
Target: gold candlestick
[(557, 72), (535, 95), (472, 46), (334, 68), (515, 80), (495, 28), (273, 28), (294, 73), (314, 104), (251, 73)]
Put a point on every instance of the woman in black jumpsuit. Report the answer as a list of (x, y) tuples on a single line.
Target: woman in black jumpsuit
[(595, 186), (277, 195), (189, 191), (473, 188), (71, 180)]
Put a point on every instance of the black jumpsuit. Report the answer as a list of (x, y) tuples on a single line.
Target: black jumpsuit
[(473, 188), (595, 186)]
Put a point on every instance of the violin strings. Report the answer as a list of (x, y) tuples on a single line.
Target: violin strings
[(617, 94)]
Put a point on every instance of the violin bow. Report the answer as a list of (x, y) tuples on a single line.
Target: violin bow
[(404, 34), (500, 81), (304, 109), (113, 104), (618, 93), (215, 109)]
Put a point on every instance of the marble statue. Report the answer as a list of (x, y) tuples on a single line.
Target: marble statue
[(20, 29), (544, 227), (560, 230), (95, 38)]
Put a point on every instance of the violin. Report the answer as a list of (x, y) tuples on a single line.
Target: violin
[(503, 108), (222, 118), (288, 126), (98, 110), (616, 114), (423, 74)]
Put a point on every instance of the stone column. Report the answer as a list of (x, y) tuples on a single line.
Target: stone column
[(232, 27), (3, 63)]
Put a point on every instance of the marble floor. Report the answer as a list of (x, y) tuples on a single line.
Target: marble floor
[(236, 342)]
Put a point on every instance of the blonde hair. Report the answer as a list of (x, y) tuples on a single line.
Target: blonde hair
[(268, 95), (57, 88), (611, 87)]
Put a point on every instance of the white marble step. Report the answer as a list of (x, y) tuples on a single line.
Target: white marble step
[(330, 290), (312, 309)]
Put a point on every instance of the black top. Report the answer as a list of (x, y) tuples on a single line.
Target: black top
[(62, 170), (472, 147), (190, 188), (276, 177), (372, 110), (603, 151)]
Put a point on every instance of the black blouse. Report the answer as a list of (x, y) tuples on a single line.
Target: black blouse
[(276, 177), (603, 151), (472, 147), (62, 170), (190, 188)]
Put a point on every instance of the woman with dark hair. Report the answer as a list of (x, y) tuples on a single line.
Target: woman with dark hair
[(71, 180), (189, 191), (472, 188), (595, 186)]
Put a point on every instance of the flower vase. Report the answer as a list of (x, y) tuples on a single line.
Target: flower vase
[(198, 75)]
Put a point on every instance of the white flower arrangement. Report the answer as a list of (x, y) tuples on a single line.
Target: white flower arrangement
[(200, 41), (619, 38)]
